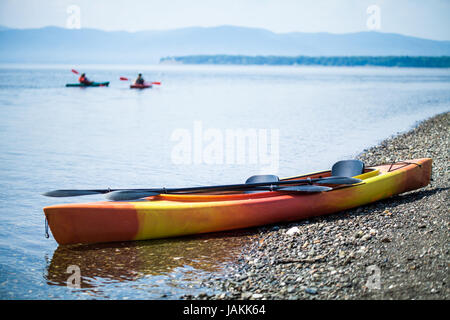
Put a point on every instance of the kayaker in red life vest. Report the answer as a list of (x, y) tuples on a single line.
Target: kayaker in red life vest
[(84, 80), (139, 79)]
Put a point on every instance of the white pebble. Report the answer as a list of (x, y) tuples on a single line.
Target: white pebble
[(292, 231)]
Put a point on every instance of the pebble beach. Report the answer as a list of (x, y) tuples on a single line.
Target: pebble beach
[(397, 248)]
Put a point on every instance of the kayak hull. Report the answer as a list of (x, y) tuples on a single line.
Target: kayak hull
[(165, 216), (140, 86), (94, 84)]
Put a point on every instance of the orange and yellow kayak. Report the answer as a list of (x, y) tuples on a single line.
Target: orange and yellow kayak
[(171, 215)]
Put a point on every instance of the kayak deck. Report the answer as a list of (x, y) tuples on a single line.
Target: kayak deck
[(170, 215)]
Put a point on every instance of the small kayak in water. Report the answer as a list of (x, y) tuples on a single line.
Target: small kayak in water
[(93, 84), (140, 86), (171, 215)]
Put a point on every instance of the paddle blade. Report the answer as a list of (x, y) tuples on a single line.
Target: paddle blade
[(338, 180), (124, 79), (158, 83), (124, 195), (75, 71), (71, 193), (305, 188)]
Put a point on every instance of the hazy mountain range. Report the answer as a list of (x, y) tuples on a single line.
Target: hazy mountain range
[(59, 45)]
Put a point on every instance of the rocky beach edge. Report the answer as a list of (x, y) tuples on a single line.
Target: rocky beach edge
[(396, 248)]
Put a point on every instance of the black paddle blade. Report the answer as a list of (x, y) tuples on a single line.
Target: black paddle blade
[(72, 193), (305, 188), (338, 180), (124, 195)]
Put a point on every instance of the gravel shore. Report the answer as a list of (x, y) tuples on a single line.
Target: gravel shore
[(397, 248)]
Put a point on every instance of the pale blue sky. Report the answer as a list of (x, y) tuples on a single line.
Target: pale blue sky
[(426, 19)]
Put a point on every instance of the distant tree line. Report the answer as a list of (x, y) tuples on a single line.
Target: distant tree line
[(382, 61)]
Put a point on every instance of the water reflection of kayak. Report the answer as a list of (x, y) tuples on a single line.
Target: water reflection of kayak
[(93, 84), (129, 261)]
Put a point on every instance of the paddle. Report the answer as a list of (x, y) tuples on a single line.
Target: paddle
[(125, 195), (75, 71), (126, 79), (230, 187)]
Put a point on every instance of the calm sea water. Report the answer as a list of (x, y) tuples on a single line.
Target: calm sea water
[(54, 137)]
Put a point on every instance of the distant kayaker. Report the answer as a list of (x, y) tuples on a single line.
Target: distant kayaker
[(139, 79), (84, 80)]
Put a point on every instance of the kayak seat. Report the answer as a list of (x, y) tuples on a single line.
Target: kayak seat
[(261, 178), (347, 168)]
